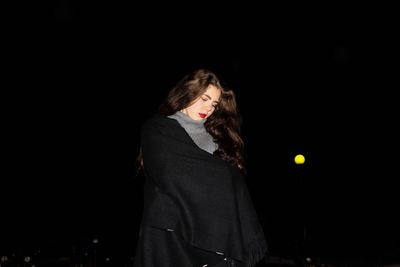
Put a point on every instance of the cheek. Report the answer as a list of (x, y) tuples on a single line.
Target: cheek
[(198, 106), (194, 108)]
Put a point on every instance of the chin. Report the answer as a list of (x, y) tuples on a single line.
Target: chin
[(197, 118)]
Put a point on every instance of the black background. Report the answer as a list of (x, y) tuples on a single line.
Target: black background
[(81, 78)]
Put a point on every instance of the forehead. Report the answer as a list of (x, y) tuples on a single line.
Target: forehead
[(213, 92)]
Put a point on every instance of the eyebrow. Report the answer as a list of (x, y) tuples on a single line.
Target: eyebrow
[(209, 97)]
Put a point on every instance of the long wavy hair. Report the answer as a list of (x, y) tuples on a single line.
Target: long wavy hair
[(223, 124)]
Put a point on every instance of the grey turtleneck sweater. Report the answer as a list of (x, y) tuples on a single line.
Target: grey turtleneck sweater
[(196, 131)]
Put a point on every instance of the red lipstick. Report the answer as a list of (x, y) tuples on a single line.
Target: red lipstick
[(202, 115)]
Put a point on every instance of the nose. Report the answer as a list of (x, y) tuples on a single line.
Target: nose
[(209, 107)]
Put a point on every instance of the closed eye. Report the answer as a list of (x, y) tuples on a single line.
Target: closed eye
[(206, 97)]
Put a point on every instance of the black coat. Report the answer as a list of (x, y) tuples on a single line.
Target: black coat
[(202, 198)]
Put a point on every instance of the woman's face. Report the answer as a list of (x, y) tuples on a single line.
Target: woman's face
[(205, 105)]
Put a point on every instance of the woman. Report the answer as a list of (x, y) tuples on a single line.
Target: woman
[(197, 208)]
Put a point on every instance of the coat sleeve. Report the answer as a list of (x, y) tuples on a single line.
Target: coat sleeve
[(154, 150)]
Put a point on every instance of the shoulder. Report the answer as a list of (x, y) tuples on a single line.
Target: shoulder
[(160, 123), (161, 131)]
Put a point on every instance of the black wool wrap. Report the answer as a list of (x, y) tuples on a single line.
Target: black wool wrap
[(202, 198)]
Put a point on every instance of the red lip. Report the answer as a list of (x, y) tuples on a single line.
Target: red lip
[(202, 115)]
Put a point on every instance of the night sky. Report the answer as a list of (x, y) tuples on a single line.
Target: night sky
[(84, 78)]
